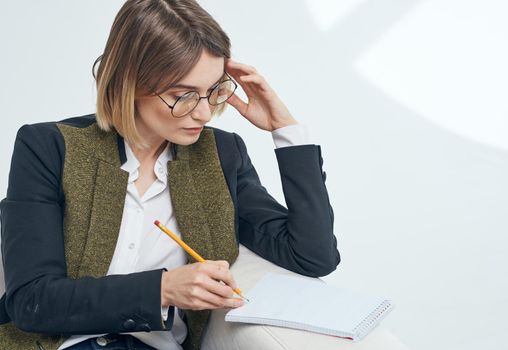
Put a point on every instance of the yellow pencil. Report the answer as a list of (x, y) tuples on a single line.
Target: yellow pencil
[(189, 250)]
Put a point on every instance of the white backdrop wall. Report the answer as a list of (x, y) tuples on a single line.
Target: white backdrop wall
[(408, 102)]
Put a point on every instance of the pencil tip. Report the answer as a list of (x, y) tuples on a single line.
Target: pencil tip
[(156, 222)]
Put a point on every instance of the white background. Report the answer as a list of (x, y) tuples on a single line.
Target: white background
[(408, 102)]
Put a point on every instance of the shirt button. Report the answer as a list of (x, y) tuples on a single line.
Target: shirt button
[(139, 210), (131, 246), (161, 171)]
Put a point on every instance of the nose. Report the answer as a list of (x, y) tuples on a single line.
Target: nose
[(202, 111)]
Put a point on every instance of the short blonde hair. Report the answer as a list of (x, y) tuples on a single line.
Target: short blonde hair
[(152, 45)]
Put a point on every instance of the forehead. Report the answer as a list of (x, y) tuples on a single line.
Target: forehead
[(205, 73), (194, 87)]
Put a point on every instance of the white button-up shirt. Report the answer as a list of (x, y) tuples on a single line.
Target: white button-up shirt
[(141, 246)]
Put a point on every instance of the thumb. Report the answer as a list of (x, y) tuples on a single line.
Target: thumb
[(238, 104)]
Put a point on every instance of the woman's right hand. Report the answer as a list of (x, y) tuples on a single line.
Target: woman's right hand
[(196, 286)]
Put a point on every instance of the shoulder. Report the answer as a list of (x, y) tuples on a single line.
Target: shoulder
[(230, 145), (232, 150), (48, 132), (225, 138), (220, 134), (39, 150), (45, 140)]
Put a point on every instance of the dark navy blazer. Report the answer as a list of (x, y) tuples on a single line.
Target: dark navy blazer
[(300, 239)]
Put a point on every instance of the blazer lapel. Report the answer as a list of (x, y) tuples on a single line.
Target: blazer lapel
[(95, 189), (105, 219), (187, 205), (109, 192)]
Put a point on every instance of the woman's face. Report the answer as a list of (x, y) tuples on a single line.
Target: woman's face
[(155, 121)]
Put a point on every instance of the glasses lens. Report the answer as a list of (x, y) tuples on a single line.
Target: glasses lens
[(222, 92), (185, 104)]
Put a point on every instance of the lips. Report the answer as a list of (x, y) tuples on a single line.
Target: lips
[(193, 130)]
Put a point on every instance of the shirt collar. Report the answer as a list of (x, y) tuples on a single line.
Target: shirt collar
[(131, 165)]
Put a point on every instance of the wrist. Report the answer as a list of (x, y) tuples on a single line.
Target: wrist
[(283, 123), (165, 300)]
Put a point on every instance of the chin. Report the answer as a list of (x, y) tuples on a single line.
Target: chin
[(186, 140)]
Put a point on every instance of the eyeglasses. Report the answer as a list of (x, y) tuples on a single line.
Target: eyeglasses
[(188, 101)]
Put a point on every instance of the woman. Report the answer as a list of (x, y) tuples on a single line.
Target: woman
[(85, 267)]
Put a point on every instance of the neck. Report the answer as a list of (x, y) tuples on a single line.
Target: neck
[(156, 144), (151, 153)]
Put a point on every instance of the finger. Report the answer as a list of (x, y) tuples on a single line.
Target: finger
[(256, 79), (224, 263), (238, 103), (198, 297), (205, 281), (220, 264), (199, 304), (218, 288), (245, 86), (224, 275), (217, 273), (203, 294), (240, 71), (208, 298), (240, 66)]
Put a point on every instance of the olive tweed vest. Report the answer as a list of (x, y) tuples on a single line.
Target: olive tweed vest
[(95, 189)]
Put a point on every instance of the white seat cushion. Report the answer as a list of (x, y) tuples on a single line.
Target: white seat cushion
[(222, 335)]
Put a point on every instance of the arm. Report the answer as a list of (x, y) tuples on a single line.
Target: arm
[(39, 295), (299, 238)]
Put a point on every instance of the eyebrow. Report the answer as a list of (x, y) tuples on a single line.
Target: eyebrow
[(184, 86)]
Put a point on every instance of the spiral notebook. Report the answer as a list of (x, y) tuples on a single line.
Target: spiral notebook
[(311, 305)]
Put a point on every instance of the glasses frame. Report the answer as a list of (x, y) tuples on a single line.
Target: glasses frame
[(200, 97)]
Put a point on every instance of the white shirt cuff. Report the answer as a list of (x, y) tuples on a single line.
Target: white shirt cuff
[(291, 135), (164, 312)]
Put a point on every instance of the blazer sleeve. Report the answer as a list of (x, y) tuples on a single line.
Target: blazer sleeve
[(300, 237), (39, 296)]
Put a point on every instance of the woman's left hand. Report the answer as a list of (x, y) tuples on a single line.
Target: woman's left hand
[(264, 108)]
